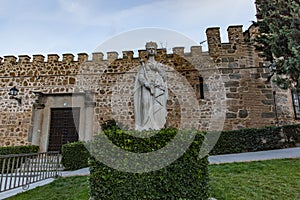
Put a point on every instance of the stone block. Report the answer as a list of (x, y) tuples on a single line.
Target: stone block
[(232, 95), (68, 57), (235, 76), (231, 115), (24, 59), (268, 115), (113, 55), (82, 57), (53, 57), (178, 50), (267, 102), (128, 54), (10, 59), (196, 50), (97, 56), (232, 84), (38, 58), (243, 113), (232, 64)]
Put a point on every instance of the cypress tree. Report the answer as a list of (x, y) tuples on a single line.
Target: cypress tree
[(278, 22)]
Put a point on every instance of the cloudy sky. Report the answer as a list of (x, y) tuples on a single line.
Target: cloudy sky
[(31, 27)]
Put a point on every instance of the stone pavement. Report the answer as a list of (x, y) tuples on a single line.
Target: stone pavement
[(218, 159)]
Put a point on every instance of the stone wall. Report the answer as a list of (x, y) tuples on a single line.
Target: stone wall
[(236, 94), (250, 97)]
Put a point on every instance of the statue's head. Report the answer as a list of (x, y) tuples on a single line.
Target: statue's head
[(151, 48)]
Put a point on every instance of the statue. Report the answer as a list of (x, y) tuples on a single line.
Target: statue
[(150, 93)]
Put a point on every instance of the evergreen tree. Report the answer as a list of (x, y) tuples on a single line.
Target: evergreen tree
[(278, 23)]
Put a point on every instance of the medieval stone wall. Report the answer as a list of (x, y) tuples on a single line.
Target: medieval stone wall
[(235, 93)]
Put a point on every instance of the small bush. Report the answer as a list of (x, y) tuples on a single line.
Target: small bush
[(110, 125), (185, 178), (251, 140), (74, 156), (19, 149), (291, 134)]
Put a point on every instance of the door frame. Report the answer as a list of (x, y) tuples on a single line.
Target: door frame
[(42, 115)]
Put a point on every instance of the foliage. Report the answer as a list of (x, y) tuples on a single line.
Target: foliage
[(186, 178), (19, 149), (74, 156), (75, 188), (249, 140), (291, 134), (279, 39), (110, 125), (272, 179)]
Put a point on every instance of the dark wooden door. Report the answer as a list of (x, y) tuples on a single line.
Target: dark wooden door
[(64, 126)]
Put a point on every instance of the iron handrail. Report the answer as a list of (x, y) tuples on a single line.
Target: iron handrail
[(21, 170)]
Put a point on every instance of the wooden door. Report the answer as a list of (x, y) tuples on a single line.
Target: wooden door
[(64, 124)]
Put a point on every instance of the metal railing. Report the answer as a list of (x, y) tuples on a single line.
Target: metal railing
[(24, 169)]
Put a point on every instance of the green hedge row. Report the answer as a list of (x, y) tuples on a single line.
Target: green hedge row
[(19, 149), (250, 140), (74, 156), (185, 178)]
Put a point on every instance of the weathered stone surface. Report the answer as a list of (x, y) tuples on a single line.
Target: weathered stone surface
[(232, 84), (232, 65), (230, 115), (232, 95), (268, 115), (234, 76), (268, 102), (243, 113)]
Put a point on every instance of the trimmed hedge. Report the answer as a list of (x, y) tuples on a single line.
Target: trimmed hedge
[(291, 134), (74, 156), (19, 149), (251, 140), (185, 178)]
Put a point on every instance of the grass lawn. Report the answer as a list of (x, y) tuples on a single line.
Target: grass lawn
[(263, 180), (75, 188)]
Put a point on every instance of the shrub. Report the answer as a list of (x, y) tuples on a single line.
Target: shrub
[(250, 140), (110, 125), (291, 134), (185, 178), (74, 156), (19, 149)]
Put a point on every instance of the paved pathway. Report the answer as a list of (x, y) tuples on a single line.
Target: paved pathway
[(228, 158), (254, 156)]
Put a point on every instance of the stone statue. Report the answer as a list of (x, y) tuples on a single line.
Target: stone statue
[(150, 93)]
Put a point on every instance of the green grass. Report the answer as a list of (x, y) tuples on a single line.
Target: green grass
[(75, 188), (263, 180)]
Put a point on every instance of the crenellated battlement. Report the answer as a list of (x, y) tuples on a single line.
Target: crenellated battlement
[(95, 57), (235, 34), (236, 39)]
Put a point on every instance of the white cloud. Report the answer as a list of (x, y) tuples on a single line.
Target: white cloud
[(63, 25)]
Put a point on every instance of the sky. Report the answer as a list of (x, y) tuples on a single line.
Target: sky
[(30, 27)]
